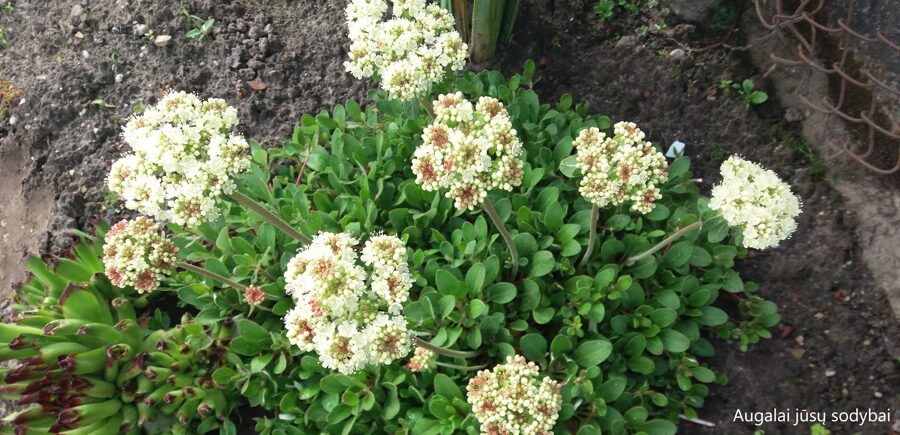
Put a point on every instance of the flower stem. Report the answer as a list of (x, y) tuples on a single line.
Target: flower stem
[(446, 352), (675, 236), (270, 217), (513, 254), (454, 366), (211, 275), (426, 105), (595, 215)]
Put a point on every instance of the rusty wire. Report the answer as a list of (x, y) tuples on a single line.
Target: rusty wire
[(804, 42)]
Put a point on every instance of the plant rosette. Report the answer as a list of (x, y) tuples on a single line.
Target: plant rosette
[(624, 335)]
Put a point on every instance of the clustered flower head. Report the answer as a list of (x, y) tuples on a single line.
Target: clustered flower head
[(183, 157), (420, 360), (408, 52), (755, 200), (468, 150), (137, 254), (254, 295), (620, 169), (348, 307), (510, 399)]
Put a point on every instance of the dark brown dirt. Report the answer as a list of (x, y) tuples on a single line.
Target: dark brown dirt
[(835, 319)]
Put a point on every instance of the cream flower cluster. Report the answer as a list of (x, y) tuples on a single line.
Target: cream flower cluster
[(755, 200), (620, 169), (420, 360), (183, 157), (408, 52), (510, 399), (137, 254), (348, 306), (468, 150)]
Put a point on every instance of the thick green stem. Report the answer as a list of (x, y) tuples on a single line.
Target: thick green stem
[(211, 275), (458, 367), (446, 352), (270, 217), (675, 236), (592, 239), (513, 254)]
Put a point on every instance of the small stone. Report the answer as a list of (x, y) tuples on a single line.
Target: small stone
[(878, 395), (79, 35), (76, 11), (139, 29), (13, 120), (162, 40), (677, 54), (85, 54), (119, 78), (692, 10), (627, 41), (830, 372)]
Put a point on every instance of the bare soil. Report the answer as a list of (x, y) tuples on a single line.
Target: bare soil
[(84, 67)]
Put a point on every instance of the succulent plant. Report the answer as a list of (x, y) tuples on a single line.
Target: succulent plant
[(86, 363)]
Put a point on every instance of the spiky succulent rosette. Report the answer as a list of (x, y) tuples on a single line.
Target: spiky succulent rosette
[(755, 200), (409, 52), (137, 254), (348, 306), (468, 150), (622, 169), (85, 365), (512, 399), (183, 157)]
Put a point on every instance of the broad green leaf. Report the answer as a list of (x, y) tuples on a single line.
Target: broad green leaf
[(542, 263), (501, 293), (533, 346), (674, 341), (592, 352)]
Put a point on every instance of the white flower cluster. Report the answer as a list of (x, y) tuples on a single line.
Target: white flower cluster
[(620, 169), (468, 150), (347, 313), (510, 399), (137, 254), (408, 52), (755, 200), (184, 157)]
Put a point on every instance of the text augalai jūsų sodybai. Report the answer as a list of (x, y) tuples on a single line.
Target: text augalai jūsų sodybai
[(805, 416)]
